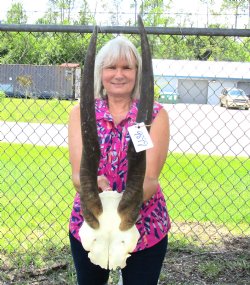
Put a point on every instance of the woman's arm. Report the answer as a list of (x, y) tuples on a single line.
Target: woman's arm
[(156, 156), (75, 151), (75, 145)]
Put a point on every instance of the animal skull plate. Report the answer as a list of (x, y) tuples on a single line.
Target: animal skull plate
[(108, 246)]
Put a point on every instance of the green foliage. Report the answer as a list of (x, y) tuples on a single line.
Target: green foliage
[(210, 268), (45, 48), (85, 17), (157, 91), (193, 48), (49, 18), (236, 6), (56, 48), (154, 13), (16, 14), (21, 49)]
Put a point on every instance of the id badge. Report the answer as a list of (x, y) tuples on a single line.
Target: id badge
[(140, 137)]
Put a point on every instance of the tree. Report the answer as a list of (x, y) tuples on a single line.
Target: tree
[(25, 81), (16, 14), (115, 16), (236, 6), (110, 10), (154, 12), (50, 17), (65, 8), (85, 17), (209, 4)]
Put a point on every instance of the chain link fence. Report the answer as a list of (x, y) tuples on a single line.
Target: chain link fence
[(206, 176)]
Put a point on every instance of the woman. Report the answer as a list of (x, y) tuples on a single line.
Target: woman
[(117, 89)]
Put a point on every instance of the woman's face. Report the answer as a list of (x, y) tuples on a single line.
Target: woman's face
[(119, 78)]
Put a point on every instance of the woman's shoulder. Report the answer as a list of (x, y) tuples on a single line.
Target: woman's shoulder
[(157, 107), (75, 112), (75, 108)]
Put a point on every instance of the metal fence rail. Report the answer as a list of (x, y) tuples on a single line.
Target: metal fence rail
[(206, 176)]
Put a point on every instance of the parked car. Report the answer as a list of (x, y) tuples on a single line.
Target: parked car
[(234, 98), (44, 95), (168, 97), (15, 94)]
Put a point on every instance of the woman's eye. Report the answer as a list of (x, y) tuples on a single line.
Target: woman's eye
[(110, 67)]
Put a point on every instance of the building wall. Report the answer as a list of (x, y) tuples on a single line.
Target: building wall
[(35, 80), (245, 86), (64, 81), (198, 91), (192, 91), (201, 82)]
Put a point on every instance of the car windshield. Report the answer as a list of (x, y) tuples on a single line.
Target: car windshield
[(236, 92)]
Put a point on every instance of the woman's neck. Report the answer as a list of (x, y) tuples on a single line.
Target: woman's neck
[(118, 108)]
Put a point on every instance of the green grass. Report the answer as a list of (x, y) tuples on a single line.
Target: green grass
[(36, 197), (37, 193), (35, 110), (208, 189)]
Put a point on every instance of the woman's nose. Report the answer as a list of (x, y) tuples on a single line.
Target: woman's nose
[(119, 72)]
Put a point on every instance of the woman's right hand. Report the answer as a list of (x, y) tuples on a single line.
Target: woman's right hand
[(103, 183)]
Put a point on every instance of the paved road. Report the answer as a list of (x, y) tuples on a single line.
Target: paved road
[(200, 129), (30, 133), (209, 129)]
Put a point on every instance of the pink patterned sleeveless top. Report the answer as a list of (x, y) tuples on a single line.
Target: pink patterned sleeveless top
[(153, 223)]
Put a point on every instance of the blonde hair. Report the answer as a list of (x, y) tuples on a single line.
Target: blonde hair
[(109, 54)]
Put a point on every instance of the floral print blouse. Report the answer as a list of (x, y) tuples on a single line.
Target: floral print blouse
[(153, 223)]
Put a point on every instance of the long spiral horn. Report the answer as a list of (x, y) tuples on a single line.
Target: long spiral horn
[(89, 196), (132, 198)]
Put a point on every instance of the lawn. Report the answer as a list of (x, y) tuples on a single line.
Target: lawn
[(35, 110), (37, 193), (208, 188), (36, 198)]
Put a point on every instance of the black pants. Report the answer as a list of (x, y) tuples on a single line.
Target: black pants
[(143, 267)]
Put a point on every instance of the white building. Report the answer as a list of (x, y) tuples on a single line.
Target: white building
[(200, 82)]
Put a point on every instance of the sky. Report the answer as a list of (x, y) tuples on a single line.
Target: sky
[(36, 9)]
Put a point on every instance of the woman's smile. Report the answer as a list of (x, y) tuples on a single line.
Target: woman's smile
[(119, 78)]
